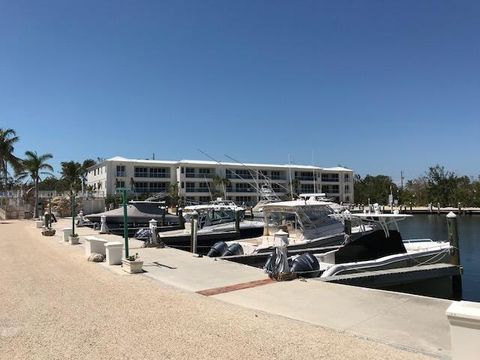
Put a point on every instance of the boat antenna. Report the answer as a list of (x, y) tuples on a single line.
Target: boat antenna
[(249, 170), (290, 176), (266, 178), (223, 185)]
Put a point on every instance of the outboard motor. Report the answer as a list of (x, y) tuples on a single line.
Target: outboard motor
[(306, 265), (218, 249), (233, 249), (143, 234)]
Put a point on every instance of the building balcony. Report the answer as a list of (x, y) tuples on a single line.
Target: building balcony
[(197, 190), (305, 178), (199, 176)]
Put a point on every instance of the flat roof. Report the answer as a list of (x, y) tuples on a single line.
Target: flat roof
[(221, 163)]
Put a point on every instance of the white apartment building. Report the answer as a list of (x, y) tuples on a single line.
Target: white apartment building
[(198, 180)]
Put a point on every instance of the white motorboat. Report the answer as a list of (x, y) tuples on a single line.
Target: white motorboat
[(309, 223), (381, 248)]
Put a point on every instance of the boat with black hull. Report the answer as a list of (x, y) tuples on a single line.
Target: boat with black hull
[(380, 258), (215, 222), (308, 223), (139, 213)]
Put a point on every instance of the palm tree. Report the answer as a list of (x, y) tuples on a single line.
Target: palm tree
[(220, 185), (72, 174), (85, 165), (8, 137), (35, 165)]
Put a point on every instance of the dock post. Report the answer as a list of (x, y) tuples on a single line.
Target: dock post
[(181, 219), (347, 224), (438, 208), (454, 243), (410, 207), (153, 230), (459, 207), (103, 224), (163, 208), (237, 220), (193, 232)]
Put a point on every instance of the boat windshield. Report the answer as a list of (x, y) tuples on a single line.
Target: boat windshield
[(307, 220)]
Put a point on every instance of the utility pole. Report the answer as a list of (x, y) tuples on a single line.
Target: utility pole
[(401, 179)]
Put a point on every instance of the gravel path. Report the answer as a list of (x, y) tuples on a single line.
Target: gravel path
[(56, 305)]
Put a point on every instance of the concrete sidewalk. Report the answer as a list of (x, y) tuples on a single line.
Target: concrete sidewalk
[(411, 322)]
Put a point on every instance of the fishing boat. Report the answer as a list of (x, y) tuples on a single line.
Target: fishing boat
[(216, 221), (308, 223), (139, 213), (382, 248)]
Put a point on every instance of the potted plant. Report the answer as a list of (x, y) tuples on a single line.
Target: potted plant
[(132, 265), (48, 232), (74, 239)]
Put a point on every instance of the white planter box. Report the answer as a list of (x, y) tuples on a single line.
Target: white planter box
[(94, 245), (132, 267), (66, 233), (114, 253), (464, 319), (38, 224), (74, 240)]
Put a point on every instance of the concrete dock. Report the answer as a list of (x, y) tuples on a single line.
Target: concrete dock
[(408, 322)]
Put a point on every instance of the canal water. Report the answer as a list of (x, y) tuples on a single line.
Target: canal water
[(435, 227)]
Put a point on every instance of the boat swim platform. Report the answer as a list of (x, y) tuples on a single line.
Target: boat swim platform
[(411, 322), (392, 277)]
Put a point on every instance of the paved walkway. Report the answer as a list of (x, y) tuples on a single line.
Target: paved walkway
[(56, 305)]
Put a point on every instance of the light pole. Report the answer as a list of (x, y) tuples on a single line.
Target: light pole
[(123, 191), (72, 202)]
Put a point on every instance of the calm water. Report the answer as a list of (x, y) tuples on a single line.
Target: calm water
[(435, 227)]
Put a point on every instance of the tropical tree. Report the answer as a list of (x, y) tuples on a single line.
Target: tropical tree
[(84, 172), (8, 138), (34, 166), (374, 189), (172, 195), (72, 174), (441, 185), (220, 185)]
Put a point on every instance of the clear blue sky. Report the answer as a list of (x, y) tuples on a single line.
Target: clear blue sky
[(377, 86)]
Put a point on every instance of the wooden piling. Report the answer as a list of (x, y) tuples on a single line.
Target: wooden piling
[(193, 232), (454, 243), (181, 219), (237, 220)]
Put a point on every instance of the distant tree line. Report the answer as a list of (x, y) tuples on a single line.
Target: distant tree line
[(437, 186)]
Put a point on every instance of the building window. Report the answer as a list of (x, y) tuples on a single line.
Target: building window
[(120, 184), (330, 177), (304, 175), (204, 199), (141, 187), (204, 172), (346, 177), (190, 172), (159, 173), (203, 187), (276, 175), (244, 187), (158, 187), (330, 189), (190, 187), (141, 172), (307, 188), (347, 188), (120, 170)]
